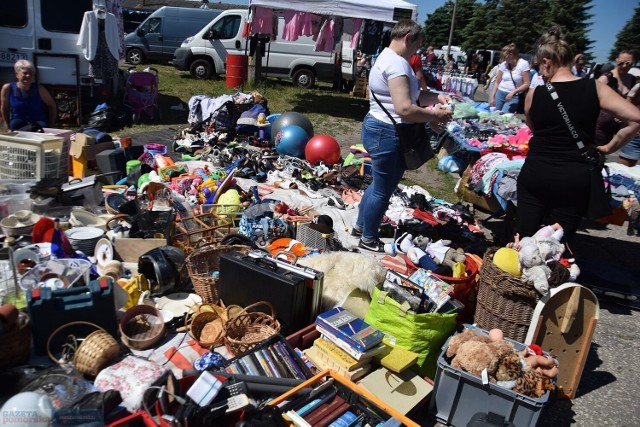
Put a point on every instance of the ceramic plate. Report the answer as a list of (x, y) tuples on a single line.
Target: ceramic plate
[(178, 303)]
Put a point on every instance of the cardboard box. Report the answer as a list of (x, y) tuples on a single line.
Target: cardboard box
[(83, 151), (489, 204)]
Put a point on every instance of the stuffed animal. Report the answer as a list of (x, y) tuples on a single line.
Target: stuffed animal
[(539, 275), (525, 373)]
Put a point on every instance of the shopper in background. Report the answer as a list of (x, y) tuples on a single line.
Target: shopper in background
[(630, 153), (431, 56), (416, 65), (579, 63), (512, 81), (25, 104), (396, 87), (554, 183)]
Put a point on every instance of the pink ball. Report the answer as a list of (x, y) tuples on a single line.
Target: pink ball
[(322, 148)]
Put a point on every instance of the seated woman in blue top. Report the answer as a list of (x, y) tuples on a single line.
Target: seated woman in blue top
[(25, 104)]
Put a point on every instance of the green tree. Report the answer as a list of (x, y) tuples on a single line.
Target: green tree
[(573, 17), (438, 24), (628, 37)]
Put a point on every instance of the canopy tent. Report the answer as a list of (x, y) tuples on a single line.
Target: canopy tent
[(380, 10)]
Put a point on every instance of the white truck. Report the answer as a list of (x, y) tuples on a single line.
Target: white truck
[(205, 53), (46, 33)]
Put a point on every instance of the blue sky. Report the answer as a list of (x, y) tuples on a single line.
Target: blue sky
[(609, 16)]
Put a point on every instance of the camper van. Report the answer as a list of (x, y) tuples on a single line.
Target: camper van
[(46, 33), (205, 54), (158, 36)]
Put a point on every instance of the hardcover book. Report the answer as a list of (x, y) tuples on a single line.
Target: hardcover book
[(322, 362), (338, 355), (358, 355), (349, 328)]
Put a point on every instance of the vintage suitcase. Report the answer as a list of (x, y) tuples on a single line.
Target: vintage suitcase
[(313, 278), (245, 280), (50, 309)]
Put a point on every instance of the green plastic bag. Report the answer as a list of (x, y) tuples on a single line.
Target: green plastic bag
[(424, 334)]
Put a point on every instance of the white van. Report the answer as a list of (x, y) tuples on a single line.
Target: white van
[(46, 33), (205, 53), (158, 36)]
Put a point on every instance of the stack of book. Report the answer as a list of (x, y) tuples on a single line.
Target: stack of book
[(347, 345)]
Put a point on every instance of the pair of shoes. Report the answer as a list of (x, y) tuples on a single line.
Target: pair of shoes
[(373, 246), (356, 233)]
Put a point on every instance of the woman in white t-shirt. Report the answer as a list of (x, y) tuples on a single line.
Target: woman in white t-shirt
[(512, 81), (395, 85)]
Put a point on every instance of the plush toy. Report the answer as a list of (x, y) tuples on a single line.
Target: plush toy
[(539, 275), (526, 373)]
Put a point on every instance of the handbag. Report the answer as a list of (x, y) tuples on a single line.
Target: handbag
[(415, 147), (599, 203), (521, 97)]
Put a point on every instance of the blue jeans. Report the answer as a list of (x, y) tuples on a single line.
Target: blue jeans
[(381, 142), (506, 106)]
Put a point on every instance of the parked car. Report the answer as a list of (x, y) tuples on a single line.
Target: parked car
[(158, 36), (205, 53)]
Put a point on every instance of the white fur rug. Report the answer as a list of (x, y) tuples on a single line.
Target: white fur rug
[(344, 272)]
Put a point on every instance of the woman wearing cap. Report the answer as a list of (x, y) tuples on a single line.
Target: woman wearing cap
[(395, 85), (25, 104)]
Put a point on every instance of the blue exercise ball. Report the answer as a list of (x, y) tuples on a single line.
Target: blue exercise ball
[(291, 141), (267, 130), (291, 118)]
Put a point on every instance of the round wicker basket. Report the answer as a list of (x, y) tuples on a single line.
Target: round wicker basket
[(206, 324), (16, 343), (504, 301), (97, 351), (202, 262), (249, 328), (142, 327)]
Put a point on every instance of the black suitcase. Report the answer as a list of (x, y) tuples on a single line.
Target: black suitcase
[(245, 280)]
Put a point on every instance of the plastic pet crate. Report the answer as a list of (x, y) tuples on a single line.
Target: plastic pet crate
[(457, 396), (31, 156)]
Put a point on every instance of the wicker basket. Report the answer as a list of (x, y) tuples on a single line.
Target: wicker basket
[(97, 351), (205, 324), (202, 263), (250, 328), (16, 344), (504, 301)]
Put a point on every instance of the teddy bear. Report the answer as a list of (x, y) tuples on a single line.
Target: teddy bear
[(426, 254), (526, 372), (535, 252)]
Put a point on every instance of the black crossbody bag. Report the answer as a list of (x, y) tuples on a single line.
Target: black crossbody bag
[(414, 142), (599, 195)]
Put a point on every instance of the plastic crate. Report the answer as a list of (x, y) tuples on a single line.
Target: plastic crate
[(32, 156), (457, 396)]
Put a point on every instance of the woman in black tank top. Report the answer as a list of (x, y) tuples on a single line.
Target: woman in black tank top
[(554, 184)]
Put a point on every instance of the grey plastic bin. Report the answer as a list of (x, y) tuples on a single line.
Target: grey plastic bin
[(458, 395)]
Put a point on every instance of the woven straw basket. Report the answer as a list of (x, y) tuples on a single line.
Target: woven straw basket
[(504, 301), (97, 351), (202, 262), (16, 344), (206, 324), (249, 328)]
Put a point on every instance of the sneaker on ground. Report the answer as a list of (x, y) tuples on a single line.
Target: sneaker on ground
[(373, 246), (356, 233)]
